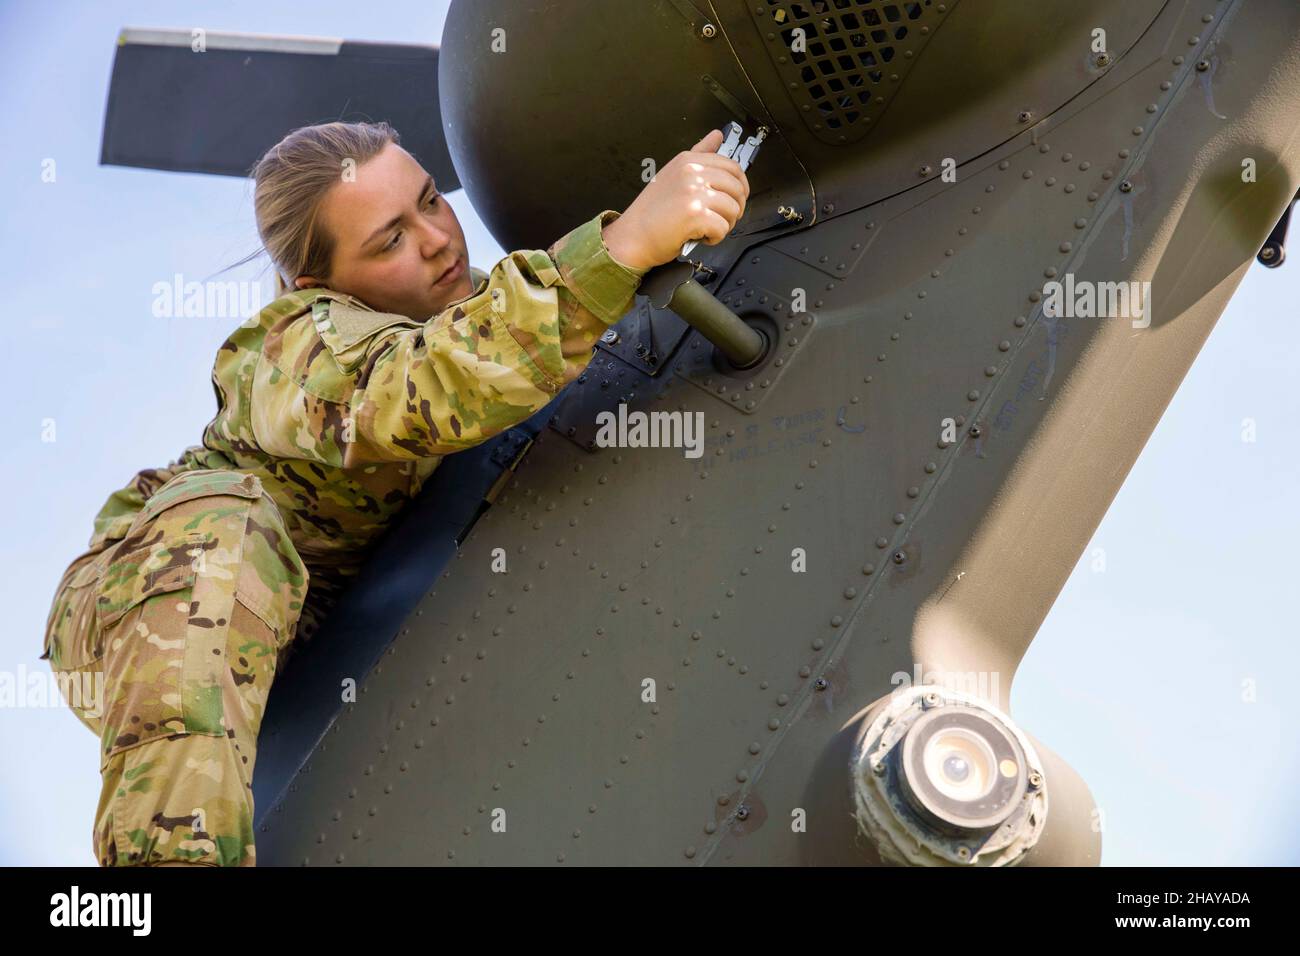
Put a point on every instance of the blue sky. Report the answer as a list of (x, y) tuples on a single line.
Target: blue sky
[(1136, 677)]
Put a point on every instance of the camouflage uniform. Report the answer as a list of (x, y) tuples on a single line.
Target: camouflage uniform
[(200, 576)]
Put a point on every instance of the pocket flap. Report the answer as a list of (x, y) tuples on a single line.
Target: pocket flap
[(140, 574), (347, 331), (198, 484)]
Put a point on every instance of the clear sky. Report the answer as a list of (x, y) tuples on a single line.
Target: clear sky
[(1138, 678)]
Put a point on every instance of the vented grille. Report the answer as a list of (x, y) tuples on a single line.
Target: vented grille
[(843, 60)]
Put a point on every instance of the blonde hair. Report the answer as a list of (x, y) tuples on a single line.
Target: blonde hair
[(291, 180)]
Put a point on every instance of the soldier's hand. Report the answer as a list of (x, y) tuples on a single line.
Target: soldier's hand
[(697, 195)]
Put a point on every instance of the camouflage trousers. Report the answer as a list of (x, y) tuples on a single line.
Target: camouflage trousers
[(182, 623)]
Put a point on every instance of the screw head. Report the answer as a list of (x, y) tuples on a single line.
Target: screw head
[(1126, 187)]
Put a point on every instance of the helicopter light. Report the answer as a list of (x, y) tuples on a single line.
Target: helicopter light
[(943, 778)]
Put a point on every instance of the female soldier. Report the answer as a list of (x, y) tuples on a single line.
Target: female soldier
[(335, 404)]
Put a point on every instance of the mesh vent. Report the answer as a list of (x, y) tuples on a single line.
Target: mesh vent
[(843, 60)]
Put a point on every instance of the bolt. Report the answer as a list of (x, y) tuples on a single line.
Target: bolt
[(821, 683), (1035, 779), (1103, 59), (1025, 116), (609, 337), (975, 431), (1126, 187), (709, 31), (1268, 252), (1202, 66), (742, 812), (899, 557)]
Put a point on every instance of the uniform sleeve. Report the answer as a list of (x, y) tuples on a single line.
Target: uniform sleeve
[(386, 389)]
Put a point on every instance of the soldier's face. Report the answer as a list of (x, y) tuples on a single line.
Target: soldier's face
[(395, 238)]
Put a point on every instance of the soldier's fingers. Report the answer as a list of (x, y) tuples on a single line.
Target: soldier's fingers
[(712, 227), (722, 181), (710, 143), (721, 163), (725, 205)]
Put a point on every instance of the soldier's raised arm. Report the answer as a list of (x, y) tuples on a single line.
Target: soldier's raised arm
[(348, 386)]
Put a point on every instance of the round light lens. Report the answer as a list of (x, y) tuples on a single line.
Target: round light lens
[(960, 763)]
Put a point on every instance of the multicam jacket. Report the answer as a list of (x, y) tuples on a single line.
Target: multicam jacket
[(343, 412)]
